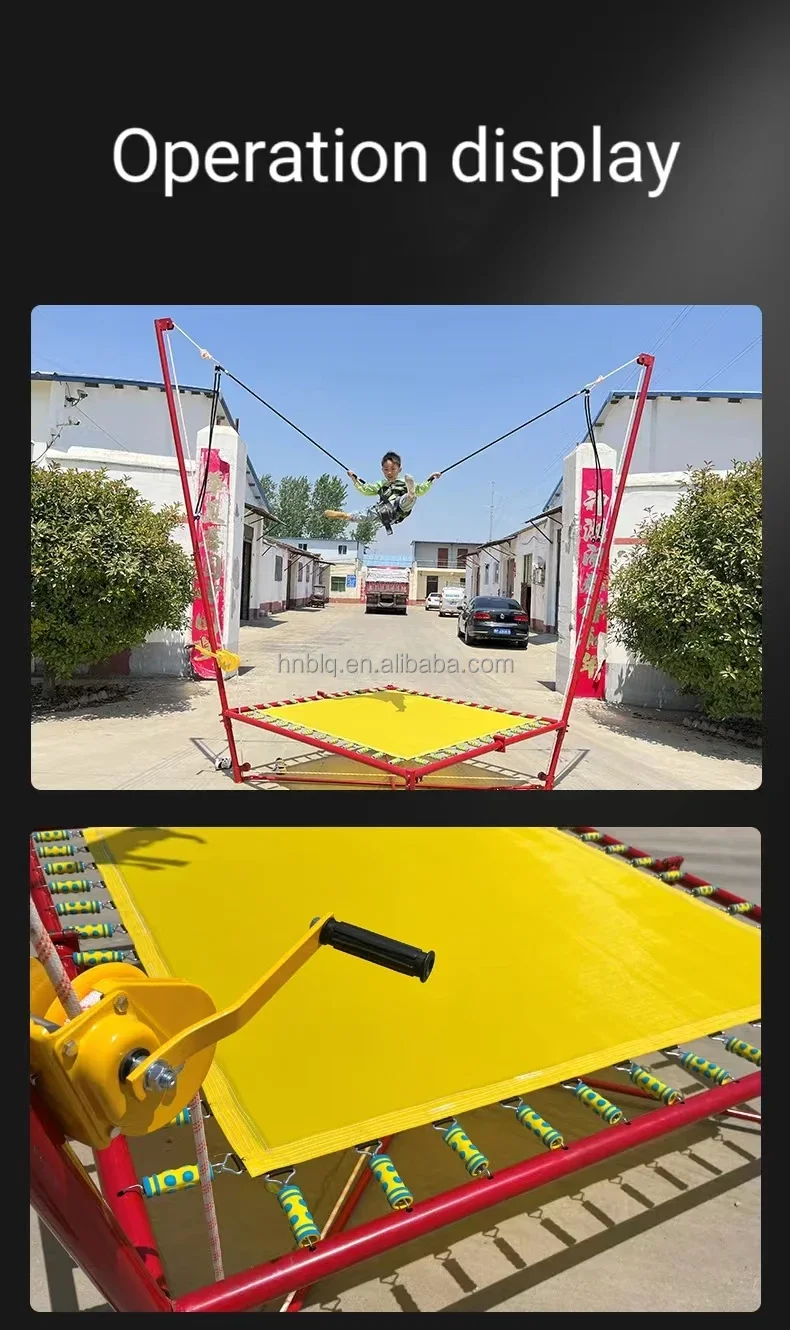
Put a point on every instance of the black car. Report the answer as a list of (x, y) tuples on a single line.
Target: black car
[(493, 619)]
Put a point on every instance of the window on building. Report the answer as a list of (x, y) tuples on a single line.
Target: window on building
[(485, 574), (462, 553), (342, 549), (278, 567), (301, 546), (299, 573), (337, 584), (442, 559)]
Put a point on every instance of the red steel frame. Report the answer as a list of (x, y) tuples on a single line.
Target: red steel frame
[(410, 778), (112, 1241)]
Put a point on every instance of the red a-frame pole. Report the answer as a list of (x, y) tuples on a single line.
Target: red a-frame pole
[(647, 361), (161, 326)]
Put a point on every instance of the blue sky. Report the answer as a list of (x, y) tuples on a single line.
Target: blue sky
[(431, 382)]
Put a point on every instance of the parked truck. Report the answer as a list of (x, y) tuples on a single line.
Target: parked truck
[(387, 589)]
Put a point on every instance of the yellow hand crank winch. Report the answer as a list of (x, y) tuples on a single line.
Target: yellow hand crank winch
[(141, 1048)]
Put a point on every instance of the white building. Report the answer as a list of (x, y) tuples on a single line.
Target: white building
[(437, 564), (539, 564), (342, 565), (525, 566), (122, 426), (679, 430), (283, 576)]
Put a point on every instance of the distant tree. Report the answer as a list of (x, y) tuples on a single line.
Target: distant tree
[(269, 489), (104, 570), (328, 492), (365, 530), (293, 506), (689, 599)]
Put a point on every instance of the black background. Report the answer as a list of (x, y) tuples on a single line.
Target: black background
[(713, 76)]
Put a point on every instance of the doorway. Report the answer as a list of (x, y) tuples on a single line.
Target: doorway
[(526, 587), (246, 577), (431, 585)]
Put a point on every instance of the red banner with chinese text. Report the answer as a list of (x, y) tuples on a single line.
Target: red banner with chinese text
[(592, 516), (213, 529)]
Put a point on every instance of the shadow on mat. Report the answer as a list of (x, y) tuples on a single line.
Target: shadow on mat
[(147, 836)]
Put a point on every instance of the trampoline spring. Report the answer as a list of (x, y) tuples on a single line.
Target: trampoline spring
[(394, 1188), (85, 959), (645, 861), (619, 848), (91, 930), (40, 836), (672, 875), (539, 1127), (58, 851), (651, 1085), (82, 907), (66, 866), (611, 1114), (693, 1062), (181, 1179), (740, 907), (740, 1048), (304, 1230), (71, 884), (453, 1134), (706, 889)]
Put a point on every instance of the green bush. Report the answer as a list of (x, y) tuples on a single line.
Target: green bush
[(689, 599), (104, 570)]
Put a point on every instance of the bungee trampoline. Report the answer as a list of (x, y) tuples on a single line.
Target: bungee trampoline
[(338, 1016), (403, 739)]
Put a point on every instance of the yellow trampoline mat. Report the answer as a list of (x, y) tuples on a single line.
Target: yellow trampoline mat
[(399, 724), (552, 960)]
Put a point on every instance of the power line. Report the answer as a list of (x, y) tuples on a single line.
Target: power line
[(701, 338), (739, 356), (663, 336)]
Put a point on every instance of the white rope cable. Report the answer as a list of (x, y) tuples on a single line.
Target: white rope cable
[(207, 1191), (53, 965), (205, 354), (601, 377)]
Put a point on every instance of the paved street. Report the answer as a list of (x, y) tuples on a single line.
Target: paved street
[(149, 740)]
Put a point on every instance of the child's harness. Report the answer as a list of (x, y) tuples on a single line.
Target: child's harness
[(390, 512)]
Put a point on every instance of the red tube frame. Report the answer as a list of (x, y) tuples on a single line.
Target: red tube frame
[(245, 1292), (602, 569), (69, 1204), (114, 1165), (117, 1175), (688, 880), (411, 777), (160, 327), (103, 1240)]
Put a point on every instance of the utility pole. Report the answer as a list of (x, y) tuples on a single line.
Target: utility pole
[(491, 514)]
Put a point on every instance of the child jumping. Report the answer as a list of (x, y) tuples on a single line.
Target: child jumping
[(396, 497)]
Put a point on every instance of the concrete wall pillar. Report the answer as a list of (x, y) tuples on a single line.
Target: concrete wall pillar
[(578, 552), (223, 532)]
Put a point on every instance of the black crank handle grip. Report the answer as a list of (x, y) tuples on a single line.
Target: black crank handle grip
[(378, 949)]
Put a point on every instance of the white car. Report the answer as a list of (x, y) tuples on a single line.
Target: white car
[(433, 601), (453, 598)]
